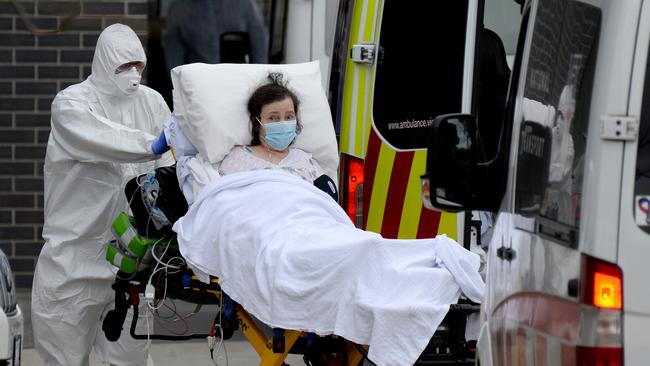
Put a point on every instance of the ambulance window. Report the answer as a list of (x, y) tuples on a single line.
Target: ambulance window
[(553, 132), (419, 68), (642, 176)]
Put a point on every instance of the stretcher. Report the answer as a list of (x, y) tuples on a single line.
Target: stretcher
[(145, 240)]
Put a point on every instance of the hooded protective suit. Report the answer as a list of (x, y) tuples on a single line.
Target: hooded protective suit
[(100, 137)]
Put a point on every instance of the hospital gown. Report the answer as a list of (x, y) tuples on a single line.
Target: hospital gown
[(298, 162)]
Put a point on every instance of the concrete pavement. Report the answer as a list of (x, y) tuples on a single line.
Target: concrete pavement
[(166, 353)]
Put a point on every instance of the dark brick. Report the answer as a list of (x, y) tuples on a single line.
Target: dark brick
[(71, 40), (5, 184), (12, 136), (5, 152), (5, 120), (58, 72), (5, 56), (36, 56), (22, 264), (6, 24), (14, 168), (13, 232), (89, 40), (138, 25), (24, 281), (42, 136), (16, 200), (32, 120), (27, 248), (142, 8), (45, 104), (29, 217), (5, 216), (5, 88), (103, 8), (16, 72), (29, 184), (36, 87), (58, 7), (14, 40), (86, 24), (86, 71), (8, 7), (39, 199), (63, 85), (77, 56), (143, 39), (30, 152), (41, 23), (5, 246), (38, 231), (16, 104)]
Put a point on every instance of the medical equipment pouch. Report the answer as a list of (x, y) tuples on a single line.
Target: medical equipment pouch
[(156, 202), (123, 261), (130, 252)]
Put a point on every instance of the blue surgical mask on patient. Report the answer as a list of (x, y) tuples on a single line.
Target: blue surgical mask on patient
[(280, 134)]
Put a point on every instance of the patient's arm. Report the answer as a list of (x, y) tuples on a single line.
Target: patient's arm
[(194, 173)]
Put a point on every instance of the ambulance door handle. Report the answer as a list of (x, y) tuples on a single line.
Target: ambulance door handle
[(507, 254)]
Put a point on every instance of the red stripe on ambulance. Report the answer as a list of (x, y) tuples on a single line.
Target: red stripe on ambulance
[(429, 222), (399, 179), (369, 168)]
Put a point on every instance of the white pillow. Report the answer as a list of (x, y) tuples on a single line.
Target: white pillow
[(210, 107)]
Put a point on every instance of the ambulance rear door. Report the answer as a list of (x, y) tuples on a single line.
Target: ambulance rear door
[(396, 66)]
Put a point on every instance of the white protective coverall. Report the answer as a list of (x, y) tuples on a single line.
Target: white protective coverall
[(100, 138)]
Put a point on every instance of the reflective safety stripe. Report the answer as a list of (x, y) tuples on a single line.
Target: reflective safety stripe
[(383, 171), (449, 225), (412, 209)]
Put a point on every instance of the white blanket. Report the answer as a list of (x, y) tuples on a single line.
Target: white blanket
[(290, 256)]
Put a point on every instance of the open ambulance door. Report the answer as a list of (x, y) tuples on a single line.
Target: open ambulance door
[(396, 66)]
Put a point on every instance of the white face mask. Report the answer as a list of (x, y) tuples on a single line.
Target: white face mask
[(128, 81)]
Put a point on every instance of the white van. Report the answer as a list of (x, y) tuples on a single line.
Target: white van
[(570, 180)]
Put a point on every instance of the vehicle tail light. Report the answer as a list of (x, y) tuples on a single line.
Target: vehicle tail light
[(351, 198), (601, 293), (603, 284), (599, 356)]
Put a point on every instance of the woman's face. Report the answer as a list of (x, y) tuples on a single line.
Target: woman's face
[(278, 111)]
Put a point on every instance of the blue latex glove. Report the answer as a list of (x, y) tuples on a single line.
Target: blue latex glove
[(159, 146)]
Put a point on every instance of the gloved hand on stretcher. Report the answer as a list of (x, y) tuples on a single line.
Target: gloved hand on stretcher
[(159, 145)]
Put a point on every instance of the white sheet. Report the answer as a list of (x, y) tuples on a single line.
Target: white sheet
[(291, 257)]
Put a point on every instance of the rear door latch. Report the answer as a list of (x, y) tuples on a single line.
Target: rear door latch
[(620, 128), (363, 53)]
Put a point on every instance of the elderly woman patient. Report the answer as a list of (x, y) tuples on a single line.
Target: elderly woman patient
[(290, 255), (273, 110)]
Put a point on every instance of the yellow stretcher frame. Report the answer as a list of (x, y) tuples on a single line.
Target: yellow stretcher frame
[(263, 345)]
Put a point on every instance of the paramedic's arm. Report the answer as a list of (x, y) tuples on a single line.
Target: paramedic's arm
[(257, 33), (88, 137), (162, 114)]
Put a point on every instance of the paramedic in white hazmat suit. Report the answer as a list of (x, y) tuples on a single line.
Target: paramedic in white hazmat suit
[(102, 134)]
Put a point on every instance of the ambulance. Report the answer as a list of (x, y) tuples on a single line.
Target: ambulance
[(395, 67), (568, 176)]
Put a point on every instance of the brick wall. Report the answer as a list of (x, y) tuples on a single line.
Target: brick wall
[(33, 67)]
